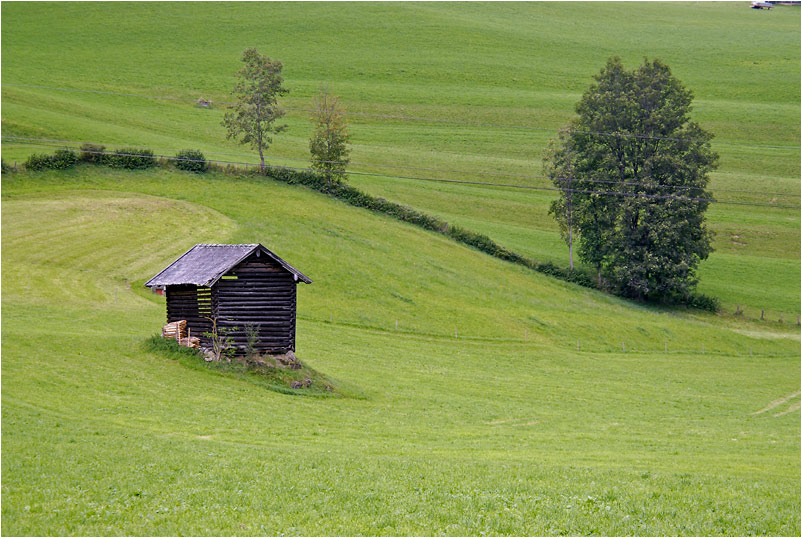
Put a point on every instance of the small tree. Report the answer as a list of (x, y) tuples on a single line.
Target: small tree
[(252, 117), (252, 338), (632, 171), (221, 342), (329, 143)]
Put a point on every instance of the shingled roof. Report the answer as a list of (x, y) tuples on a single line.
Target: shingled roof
[(203, 265)]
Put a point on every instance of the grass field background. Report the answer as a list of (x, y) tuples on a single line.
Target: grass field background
[(483, 433), (492, 83), (694, 430)]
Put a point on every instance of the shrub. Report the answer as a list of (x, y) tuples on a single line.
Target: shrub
[(60, 160), (191, 160), (478, 241), (37, 161), (93, 154), (131, 159), (4, 167), (63, 159), (703, 302)]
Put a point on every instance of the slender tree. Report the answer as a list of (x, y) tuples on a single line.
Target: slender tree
[(329, 142), (253, 115), (632, 170)]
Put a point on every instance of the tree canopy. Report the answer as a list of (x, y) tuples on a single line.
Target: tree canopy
[(329, 142), (252, 117), (632, 170)]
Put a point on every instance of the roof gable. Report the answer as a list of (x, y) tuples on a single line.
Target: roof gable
[(203, 265)]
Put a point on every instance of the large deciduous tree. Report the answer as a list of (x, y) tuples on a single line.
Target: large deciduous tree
[(632, 171), (329, 142), (252, 117)]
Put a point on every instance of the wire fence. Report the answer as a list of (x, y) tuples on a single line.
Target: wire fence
[(59, 143), (623, 194)]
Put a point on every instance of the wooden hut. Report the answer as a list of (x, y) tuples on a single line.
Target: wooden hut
[(236, 285)]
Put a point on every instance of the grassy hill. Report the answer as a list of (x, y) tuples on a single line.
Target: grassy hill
[(481, 433), (555, 410), (494, 84)]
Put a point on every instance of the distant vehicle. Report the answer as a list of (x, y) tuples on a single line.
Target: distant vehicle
[(758, 4)]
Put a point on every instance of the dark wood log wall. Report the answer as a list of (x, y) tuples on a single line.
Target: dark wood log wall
[(261, 292)]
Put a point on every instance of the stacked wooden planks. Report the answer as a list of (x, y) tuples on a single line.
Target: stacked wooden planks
[(177, 330)]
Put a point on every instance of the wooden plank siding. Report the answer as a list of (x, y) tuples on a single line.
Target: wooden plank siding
[(261, 292)]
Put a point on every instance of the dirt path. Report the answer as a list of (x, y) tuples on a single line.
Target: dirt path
[(777, 402), (791, 409)]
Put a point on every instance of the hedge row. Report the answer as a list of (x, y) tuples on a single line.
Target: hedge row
[(62, 159), (139, 159), (192, 160), (357, 198), (127, 158)]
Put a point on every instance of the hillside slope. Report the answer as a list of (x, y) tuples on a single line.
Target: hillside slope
[(496, 81), (371, 270), (481, 433)]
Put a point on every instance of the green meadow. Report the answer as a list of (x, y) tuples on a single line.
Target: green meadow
[(447, 91), (476, 397), (480, 433)]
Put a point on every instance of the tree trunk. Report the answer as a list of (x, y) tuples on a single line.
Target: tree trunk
[(570, 248), (259, 137), (570, 230)]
